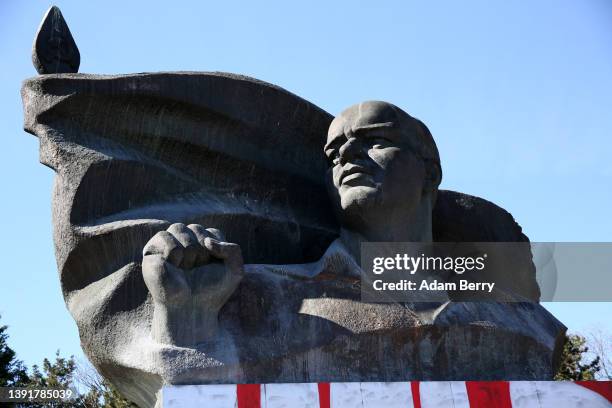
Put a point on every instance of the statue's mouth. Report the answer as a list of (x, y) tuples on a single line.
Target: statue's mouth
[(356, 179), (354, 176)]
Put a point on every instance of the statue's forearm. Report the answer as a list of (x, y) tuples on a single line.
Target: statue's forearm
[(184, 324)]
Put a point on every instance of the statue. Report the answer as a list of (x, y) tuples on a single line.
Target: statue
[(206, 232)]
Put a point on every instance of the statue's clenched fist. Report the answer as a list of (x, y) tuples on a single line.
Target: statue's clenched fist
[(190, 272)]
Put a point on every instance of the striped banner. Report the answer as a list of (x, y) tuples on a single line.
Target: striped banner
[(415, 394)]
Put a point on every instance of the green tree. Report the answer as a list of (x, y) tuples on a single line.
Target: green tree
[(12, 371), (573, 366), (58, 374), (93, 390)]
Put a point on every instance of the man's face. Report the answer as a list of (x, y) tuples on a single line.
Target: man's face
[(372, 165)]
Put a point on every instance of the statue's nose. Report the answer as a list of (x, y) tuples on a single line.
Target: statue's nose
[(349, 150)]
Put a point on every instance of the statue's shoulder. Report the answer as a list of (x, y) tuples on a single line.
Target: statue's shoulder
[(460, 217)]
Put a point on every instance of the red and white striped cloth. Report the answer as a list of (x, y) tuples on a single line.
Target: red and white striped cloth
[(414, 394)]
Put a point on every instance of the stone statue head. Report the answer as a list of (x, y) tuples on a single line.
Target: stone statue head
[(383, 164)]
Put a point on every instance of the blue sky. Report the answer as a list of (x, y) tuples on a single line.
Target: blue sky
[(517, 95)]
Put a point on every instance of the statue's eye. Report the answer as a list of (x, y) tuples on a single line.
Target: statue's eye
[(333, 157), (380, 142)]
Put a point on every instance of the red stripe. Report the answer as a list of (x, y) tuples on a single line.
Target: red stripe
[(248, 395), (324, 395), (489, 394), (603, 388), (416, 394)]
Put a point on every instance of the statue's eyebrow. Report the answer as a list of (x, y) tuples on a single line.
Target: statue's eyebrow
[(337, 139), (334, 142), (384, 125)]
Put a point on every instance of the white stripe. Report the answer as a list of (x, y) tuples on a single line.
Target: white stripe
[(524, 394), (460, 395), (290, 395), (436, 394), (345, 395), (196, 396), (567, 394), (387, 395)]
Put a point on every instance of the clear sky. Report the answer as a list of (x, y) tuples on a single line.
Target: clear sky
[(517, 95)]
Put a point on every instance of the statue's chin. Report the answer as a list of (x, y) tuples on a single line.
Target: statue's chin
[(357, 200)]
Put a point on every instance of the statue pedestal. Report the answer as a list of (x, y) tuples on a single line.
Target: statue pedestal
[(392, 394)]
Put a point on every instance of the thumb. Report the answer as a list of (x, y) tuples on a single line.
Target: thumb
[(227, 251)]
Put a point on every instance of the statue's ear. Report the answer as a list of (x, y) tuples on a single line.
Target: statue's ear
[(433, 175)]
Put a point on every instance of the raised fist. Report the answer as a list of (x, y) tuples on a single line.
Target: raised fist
[(191, 272)]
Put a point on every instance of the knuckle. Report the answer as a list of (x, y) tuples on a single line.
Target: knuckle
[(177, 226), (183, 234), (211, 243), (197, 227), (199, 232), (164, 237), (166, 246), (216, 233), (158, 244)]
